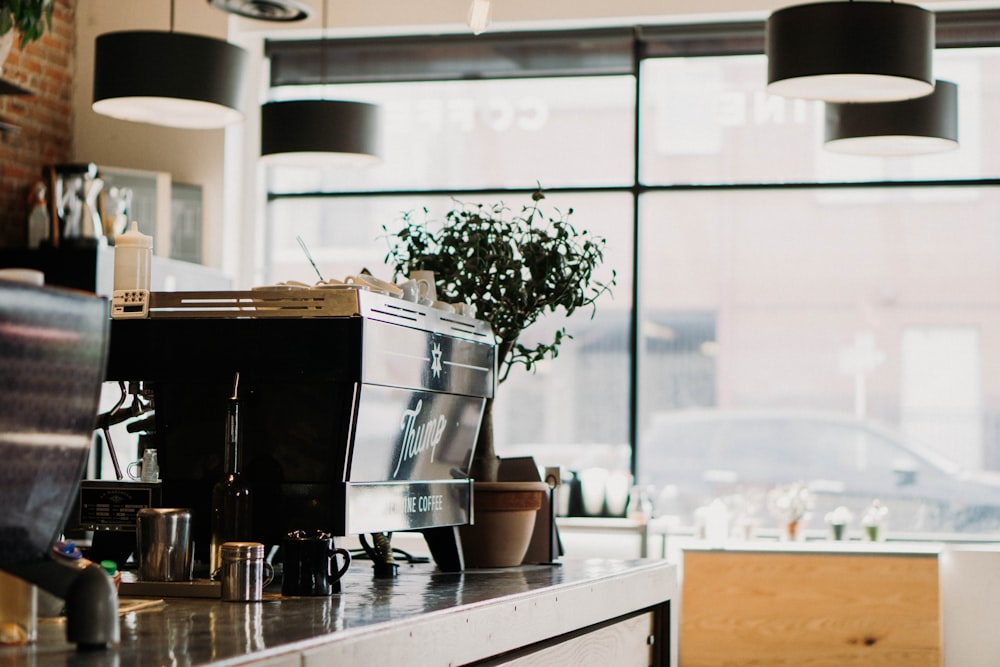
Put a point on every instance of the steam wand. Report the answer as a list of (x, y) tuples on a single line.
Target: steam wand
[(104, 421), (116, 416)]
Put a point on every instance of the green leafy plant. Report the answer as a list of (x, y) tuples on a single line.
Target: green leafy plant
[(29, 17), (513, 267)]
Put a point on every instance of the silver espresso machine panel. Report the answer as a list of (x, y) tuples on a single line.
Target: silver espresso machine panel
[(361, 411)]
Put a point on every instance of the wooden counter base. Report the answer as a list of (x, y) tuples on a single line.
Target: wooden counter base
[(770, 607)]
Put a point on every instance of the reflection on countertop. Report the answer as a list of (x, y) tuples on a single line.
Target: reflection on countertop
[(383, 612)]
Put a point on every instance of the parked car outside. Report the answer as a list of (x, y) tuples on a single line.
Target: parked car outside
[(694, 456)]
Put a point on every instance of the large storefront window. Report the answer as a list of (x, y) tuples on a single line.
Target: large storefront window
[(787, 328), (487, 134), (708, 120), (782, 314)]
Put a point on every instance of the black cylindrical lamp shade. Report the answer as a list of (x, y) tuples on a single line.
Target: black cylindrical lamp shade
[(926, 124), (850, 51), (319, 133), (169, 78), (283, 11)]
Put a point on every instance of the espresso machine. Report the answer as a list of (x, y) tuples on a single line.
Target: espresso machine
[(53, 346), (360, 410)]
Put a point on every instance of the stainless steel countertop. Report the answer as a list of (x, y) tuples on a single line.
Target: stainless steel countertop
[(423, 616)]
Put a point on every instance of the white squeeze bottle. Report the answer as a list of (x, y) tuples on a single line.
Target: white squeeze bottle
[(133, 259)]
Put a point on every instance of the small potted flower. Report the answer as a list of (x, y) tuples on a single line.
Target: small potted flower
[(791, 504), (873, 520), (838, 521)]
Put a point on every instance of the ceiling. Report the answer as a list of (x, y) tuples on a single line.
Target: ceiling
[(396, 16)]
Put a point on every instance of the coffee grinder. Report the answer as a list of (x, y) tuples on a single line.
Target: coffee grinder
[(53, 347)]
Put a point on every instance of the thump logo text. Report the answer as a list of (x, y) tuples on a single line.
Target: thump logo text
[(419, 437)]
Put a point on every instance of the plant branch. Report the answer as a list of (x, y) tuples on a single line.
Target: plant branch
[(29, 17), (514, 267)]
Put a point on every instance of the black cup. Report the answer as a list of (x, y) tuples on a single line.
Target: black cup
[(310, 564)]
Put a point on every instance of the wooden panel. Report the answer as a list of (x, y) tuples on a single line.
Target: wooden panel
[(757, 608)]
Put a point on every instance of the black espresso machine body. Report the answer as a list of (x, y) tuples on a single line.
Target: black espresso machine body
[(360, 411)]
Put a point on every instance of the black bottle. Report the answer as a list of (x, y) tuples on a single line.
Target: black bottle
[(231, 497)]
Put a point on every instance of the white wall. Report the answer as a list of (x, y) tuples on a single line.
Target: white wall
[(402, 16), (970, 587)]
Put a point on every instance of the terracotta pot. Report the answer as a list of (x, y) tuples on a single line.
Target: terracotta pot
[(792, 533), (504, 515)]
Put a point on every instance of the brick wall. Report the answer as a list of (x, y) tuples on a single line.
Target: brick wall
[(45, 67)]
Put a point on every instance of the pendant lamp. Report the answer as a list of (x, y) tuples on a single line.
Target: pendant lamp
[(318, 133), (926, 124), (850, 51), (169, 78), (283, 11)]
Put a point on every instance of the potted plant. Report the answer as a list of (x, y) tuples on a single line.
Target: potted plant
[(838, 520), (791, 504), (27, 17), (874, 521), (514, 268)]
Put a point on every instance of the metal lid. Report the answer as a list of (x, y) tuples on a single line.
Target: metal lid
[(308, 535), (242, 550)]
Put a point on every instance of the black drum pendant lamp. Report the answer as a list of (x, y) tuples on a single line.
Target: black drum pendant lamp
[(318, 133), (850, 51), (282, 11), (922, 125), (169, 78)]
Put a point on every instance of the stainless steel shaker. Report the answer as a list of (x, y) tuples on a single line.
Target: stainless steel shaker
[(244, 572), (165, 547)]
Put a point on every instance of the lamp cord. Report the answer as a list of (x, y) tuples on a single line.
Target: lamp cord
[(171, 15), (322, 53)]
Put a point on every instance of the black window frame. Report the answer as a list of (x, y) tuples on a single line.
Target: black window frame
[(568, 53)]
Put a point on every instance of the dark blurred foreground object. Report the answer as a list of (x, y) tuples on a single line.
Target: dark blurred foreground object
[(53, 350)]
